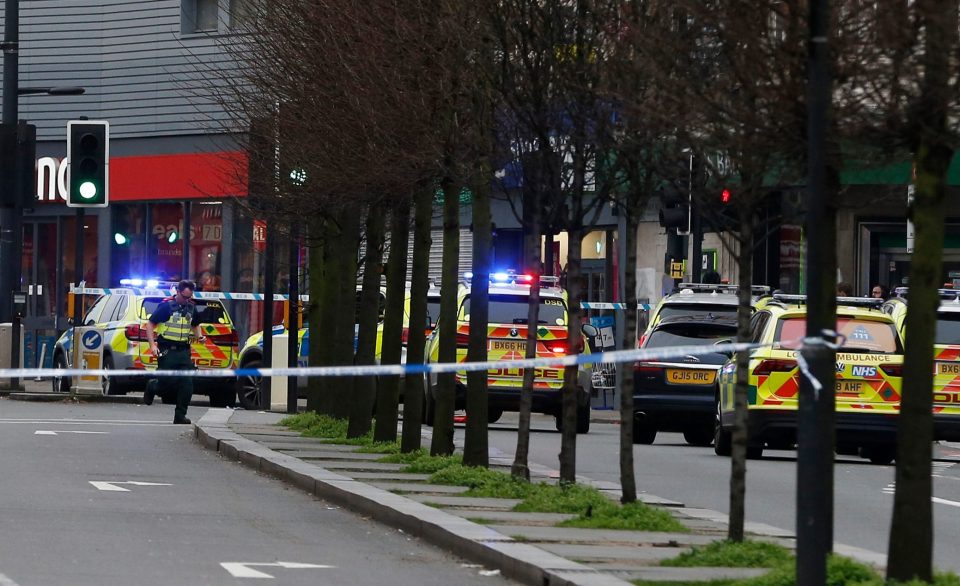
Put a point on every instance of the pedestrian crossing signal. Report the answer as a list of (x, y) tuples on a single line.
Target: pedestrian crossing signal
[(88, 163)]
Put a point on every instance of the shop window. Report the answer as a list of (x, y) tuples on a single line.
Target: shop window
[(206, 240), (128, 242), (166, 244)]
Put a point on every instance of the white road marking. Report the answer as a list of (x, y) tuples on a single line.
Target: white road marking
[(5, 581), (153, 423), (243, 569), (112, 485), (941, 501), (59, 431)]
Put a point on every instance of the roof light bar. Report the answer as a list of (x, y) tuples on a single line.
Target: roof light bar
[(848, 301)]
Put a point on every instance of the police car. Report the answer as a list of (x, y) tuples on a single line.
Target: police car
[(868, 377), (946, 356), (120, 316), (507, 340), (250, 387)]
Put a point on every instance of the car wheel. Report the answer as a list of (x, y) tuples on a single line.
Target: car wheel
[(754, 452), (643, 433), (429, 409), (879, 455), (250, 388), (494, 414), (108, 384), (699, 436), (722, 439), (61, 384), (845, 449)]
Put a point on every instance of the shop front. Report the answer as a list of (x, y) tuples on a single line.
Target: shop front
[(170, 217)]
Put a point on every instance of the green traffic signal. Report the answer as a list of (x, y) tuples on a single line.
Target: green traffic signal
[(88, 158)]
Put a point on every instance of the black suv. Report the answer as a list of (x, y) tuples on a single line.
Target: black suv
[(679, 394)]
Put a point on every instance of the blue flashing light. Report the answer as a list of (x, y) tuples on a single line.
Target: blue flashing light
[(500, 277), (132, 282), (153, 283)]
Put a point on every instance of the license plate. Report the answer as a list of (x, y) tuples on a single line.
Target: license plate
[(508, 345), (951, 368), (680, 376), (849, 387)]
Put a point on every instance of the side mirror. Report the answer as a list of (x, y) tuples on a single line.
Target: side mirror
[(590, 330)]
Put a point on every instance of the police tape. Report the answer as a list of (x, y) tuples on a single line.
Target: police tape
[(229, 296), (401, 369)]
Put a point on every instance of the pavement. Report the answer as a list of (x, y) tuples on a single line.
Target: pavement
[(527, 547)]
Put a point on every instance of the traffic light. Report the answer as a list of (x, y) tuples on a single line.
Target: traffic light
[(675, 209), (88, 163)]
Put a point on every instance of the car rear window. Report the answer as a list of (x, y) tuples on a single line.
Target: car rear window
[(211, 312), (695, 334), (859, 335), (948, 329), (698, 310), (512, 309)]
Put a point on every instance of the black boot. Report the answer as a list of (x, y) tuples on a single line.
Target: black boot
[(150, 392)]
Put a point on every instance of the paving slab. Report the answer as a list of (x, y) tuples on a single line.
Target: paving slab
[(286, 446), (602, 536), (343, 466), (388, 476), (466, 501), (266, 430), (325, 454), (511, 517), (587, 553), (421, 488), (667, 574)]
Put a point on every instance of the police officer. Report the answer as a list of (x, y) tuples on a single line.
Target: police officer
[(175, 320)]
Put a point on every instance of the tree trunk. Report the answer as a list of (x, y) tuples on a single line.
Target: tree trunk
[(531, 260), (318, 397), (445, 393), (365, 387), (521, 464), (475, 446), (571, 384), (628, 482), (419, 283), (317, 284), (911, 532), (341, 388), (738, 456), (388, 398)]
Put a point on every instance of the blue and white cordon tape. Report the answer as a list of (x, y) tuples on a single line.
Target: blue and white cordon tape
[(399, 369), (167, 293)]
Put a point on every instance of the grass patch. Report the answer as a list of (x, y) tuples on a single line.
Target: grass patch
[(429, 464), (381, 448), (404, 458), (483, 482), (729, 554), (634, 516), (334, 431)]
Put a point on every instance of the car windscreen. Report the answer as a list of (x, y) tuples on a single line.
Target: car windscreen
[(858, 335), (948, 328), (211, 312), (697, 310), (512, 309), (692, 334)]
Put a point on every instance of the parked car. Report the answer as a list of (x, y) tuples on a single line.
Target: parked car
[(679, 394)]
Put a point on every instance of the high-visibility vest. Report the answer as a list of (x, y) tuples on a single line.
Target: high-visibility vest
[(177, 328)]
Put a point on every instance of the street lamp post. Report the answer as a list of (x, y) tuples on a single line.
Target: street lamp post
[(17, 142)]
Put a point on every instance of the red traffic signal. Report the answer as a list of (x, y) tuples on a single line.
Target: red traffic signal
[(725, 196)]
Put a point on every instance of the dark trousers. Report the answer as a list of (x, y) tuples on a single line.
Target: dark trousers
[(176, 358)]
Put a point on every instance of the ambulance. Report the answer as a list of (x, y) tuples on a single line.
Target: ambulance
[(869, 366), (507, 340), (946, 356), (118, 318)]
